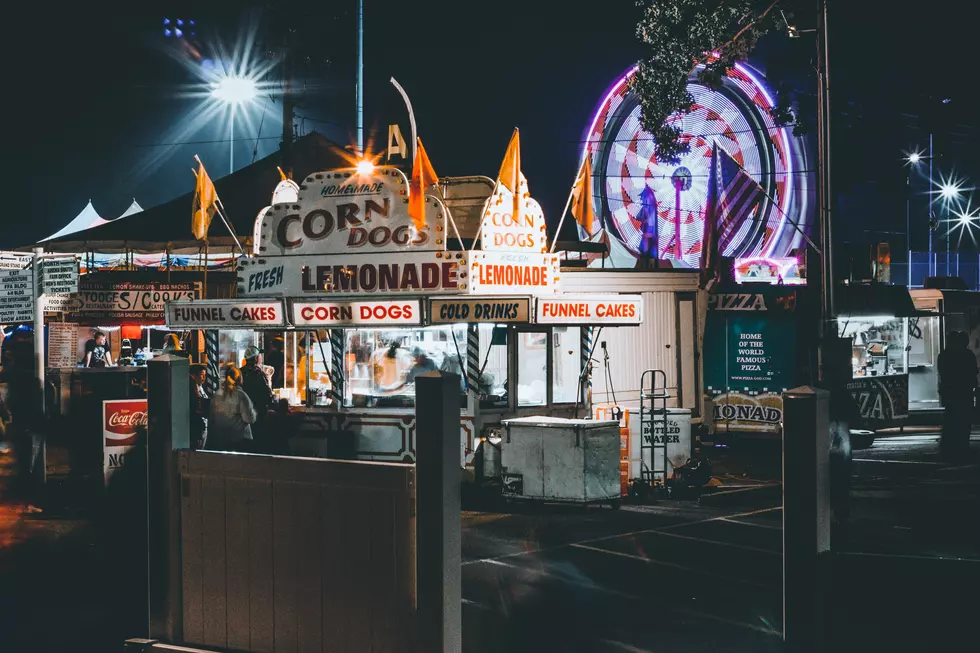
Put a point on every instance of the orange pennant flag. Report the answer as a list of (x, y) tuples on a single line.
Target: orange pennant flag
[(510, 169), (423, 176), (282, 174), (205, 203), (510, 172), (582, 209)]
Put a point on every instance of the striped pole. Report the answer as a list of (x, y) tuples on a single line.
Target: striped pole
[(337, 366), (585, 348), (473, 358), (211, 353)]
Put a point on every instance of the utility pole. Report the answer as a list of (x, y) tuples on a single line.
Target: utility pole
[(286, 149), (825, 198), (360, 78)]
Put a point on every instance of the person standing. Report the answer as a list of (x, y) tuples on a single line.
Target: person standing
[(255, 383), (957, 386), (200, 405), (231, 415), (97, 352)]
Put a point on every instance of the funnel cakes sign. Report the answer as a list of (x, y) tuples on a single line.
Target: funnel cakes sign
[(347, 212)]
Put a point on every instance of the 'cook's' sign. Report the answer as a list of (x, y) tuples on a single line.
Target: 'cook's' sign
[(346, 212), (225, 313)]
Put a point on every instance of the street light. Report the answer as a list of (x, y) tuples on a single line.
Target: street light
[(234, 91), (949, 191)]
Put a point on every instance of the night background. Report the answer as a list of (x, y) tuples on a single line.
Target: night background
[(105, 114)]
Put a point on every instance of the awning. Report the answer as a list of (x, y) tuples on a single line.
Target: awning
[(867, 300)]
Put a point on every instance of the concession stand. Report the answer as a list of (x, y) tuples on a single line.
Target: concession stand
[(363, 299), (942, 312), (877, 319)]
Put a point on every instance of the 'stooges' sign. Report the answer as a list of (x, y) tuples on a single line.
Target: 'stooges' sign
[(229, 313), (449, 311), (345, 212), (610, 309), (403, 313)]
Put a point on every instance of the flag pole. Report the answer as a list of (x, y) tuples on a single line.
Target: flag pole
[(568, 203), (479, 230), (790, 220), (222, 212)]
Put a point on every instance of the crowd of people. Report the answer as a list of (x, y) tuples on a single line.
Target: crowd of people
[(237, 417)]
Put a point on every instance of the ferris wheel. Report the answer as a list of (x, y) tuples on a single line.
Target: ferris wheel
[(735, 118)]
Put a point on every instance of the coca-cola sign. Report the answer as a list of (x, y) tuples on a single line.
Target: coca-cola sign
[(121, 421)]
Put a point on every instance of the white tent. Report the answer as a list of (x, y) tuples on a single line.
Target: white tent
[(133, 208), (87, 219)]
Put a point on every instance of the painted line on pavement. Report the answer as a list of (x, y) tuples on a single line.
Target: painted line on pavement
[(896, 462), (906, 556), (742, 547), (749, 523), (625, 647), (690, 612), (604, 538), (672, 565)]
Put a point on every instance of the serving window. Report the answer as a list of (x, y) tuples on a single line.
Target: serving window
[(382, 364), (879, 345)]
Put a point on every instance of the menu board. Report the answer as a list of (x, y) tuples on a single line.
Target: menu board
[(749, 360), (62, 344)]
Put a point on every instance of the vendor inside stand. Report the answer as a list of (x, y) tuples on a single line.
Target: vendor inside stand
[(878, 345)]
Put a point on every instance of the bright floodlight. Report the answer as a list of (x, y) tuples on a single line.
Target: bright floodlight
[(365, 167), (234, 90), (949, 190), (964, 219), (914, 158)]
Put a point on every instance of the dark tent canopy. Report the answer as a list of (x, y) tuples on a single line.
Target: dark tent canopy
[(243, 193)]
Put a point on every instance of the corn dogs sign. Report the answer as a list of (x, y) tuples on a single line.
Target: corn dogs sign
[(343, 212)]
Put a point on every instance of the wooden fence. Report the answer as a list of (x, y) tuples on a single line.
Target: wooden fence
[(290, 555)]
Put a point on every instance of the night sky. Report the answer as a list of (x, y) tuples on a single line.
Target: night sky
[(95, 106)]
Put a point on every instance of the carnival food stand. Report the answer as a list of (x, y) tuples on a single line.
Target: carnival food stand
[(752, 354), (876, 319), (943, 311), (378, 299)]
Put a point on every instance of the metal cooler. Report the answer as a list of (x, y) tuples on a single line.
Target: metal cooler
[(555, 459)]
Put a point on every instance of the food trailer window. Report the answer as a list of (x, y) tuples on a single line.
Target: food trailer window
[(532, 368), (493, 366), (566, 364), (383, 363), (878, 345)]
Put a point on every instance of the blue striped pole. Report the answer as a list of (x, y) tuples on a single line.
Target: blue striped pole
[(473, 358), (211, 353), (585, 348), (337, 366)]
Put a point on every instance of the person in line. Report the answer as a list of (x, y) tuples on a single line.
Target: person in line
[(231, 415), (421, 364), (171, 345), (957, 387), (97, 352), (255, 383), (200, 404)]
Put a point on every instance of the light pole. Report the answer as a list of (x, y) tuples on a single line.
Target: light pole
[(233, 90), (912, 160)]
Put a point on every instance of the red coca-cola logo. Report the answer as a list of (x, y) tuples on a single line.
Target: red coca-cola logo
[(121, 421)]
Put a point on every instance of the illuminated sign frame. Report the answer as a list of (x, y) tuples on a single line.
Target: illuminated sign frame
[(598, 310), (394, 312)]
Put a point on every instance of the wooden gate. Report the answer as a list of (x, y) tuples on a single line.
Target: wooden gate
[(293, 554)]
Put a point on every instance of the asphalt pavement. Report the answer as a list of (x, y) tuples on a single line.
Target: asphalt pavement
[(677, 575), (682, 575)]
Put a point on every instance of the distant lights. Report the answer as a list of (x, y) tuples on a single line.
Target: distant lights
[(234, 89), (949, 190), (173, 27), (914, 158)]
